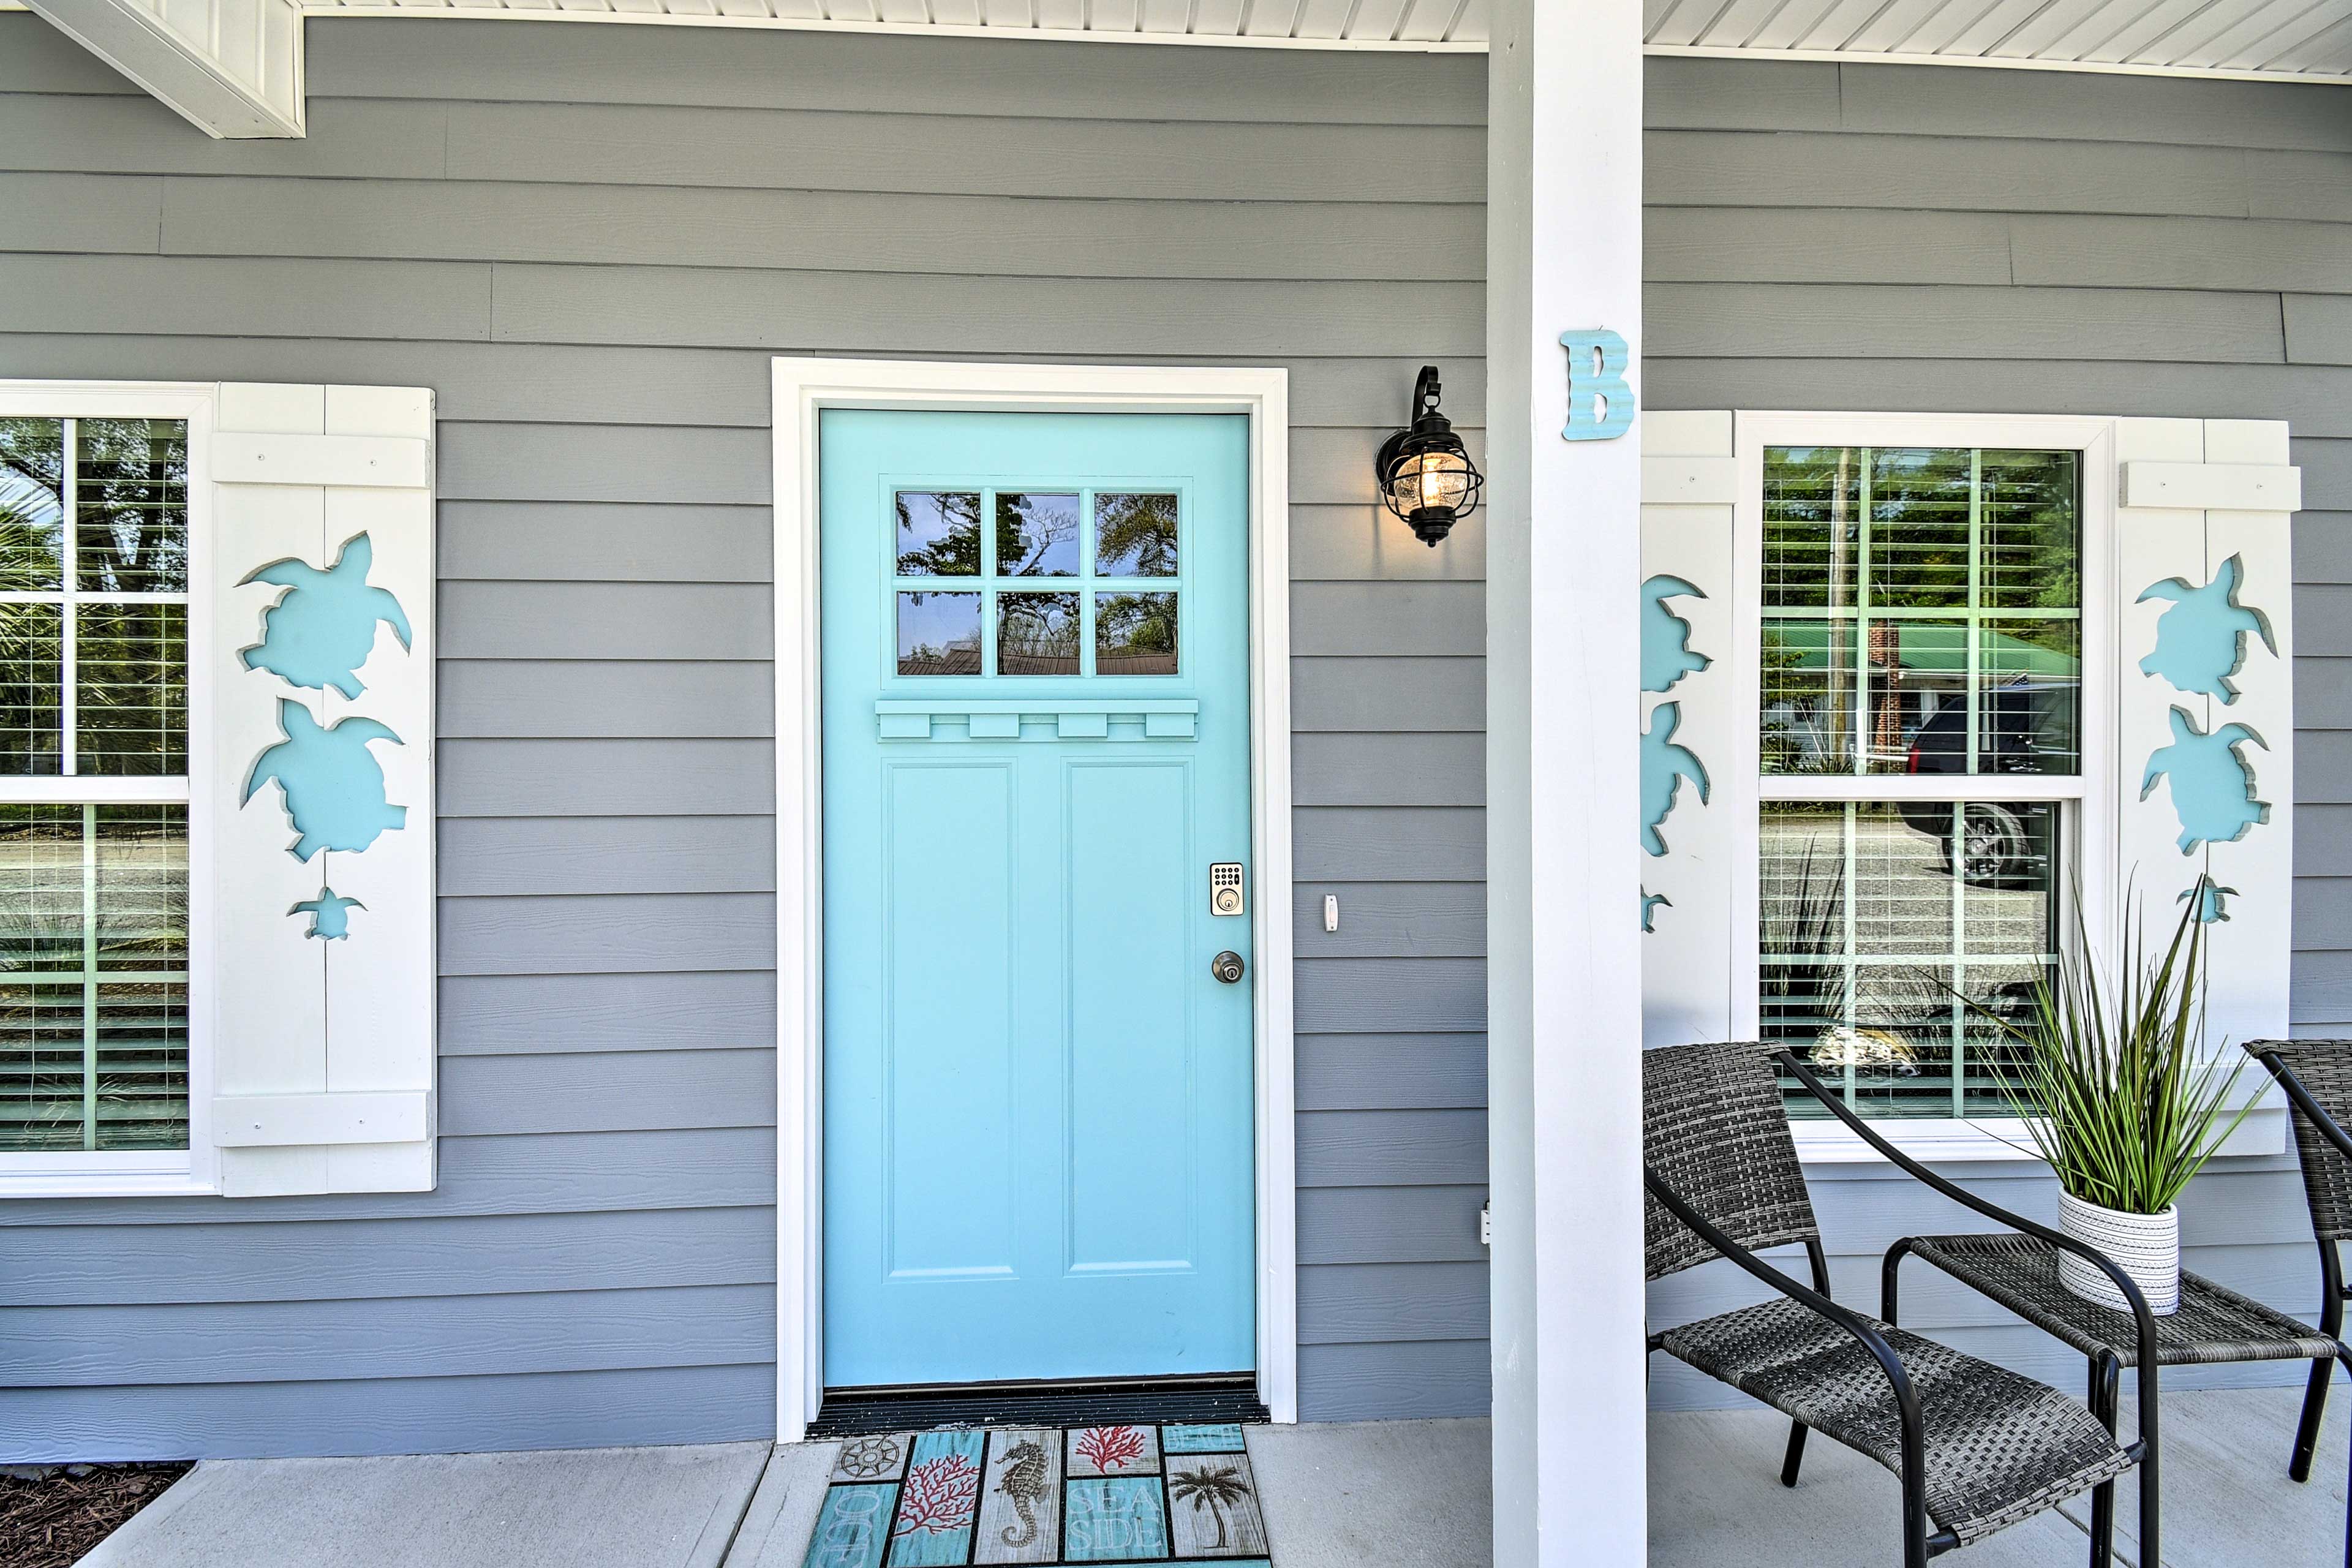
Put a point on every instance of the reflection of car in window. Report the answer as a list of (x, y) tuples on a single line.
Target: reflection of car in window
[(2014, 722)]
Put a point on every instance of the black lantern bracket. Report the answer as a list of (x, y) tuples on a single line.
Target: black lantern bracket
[(1425, 474)]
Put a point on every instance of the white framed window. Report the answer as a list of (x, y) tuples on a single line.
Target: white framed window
[(217, 791), (106, 523), (1904, 725), (1929, 630)]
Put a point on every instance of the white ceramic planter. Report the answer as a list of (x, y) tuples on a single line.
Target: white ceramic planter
[(2147, 1247)]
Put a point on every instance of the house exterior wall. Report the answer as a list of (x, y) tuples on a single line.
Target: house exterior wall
[(589, 242), (1882, 237)]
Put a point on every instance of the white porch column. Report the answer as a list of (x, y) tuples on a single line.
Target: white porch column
[(1563, 576)]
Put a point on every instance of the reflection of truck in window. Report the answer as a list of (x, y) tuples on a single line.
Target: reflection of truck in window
[(2024, 727)]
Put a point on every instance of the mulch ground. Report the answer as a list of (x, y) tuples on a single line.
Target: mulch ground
[(50, 1517)]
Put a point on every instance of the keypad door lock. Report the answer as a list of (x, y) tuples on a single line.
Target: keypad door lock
[(1225, 888)]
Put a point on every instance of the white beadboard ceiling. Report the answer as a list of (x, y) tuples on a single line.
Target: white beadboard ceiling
[(2301, 40), (2308, 39)]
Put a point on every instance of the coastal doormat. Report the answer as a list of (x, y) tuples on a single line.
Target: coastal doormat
[(1111, 1495)]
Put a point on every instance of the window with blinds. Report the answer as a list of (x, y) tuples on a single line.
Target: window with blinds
[(94, 758), (1919, 752)]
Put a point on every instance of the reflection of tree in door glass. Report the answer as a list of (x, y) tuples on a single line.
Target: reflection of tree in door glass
[(1135, 535), (1036, 535), (1037, 634), (1135, 634), (938, 533)]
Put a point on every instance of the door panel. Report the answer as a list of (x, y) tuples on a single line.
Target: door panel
[(1038, 1097)]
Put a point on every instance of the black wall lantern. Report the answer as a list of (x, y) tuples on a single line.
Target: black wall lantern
[(1425, 476)]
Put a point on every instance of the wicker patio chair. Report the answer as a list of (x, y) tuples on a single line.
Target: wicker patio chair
[(1977, 1446), (2317, 1077)]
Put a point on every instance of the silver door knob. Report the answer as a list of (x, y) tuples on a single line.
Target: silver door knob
[(1226, 967)]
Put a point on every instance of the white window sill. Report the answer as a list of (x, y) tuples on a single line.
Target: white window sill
[(99, 1177), (1993, 1139)]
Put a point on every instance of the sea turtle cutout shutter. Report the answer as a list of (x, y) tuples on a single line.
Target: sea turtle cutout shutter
[(2212, 788), (1666, 658), (2200, 641), (317, 634), (2200, 644)]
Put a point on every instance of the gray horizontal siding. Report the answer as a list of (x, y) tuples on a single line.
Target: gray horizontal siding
[(472, 211), (1993, 240), (651, 1404), (590, 247)]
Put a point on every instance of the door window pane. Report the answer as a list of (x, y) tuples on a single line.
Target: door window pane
[(1923, 612), (1135, 535), (93, 977), (1036, 535), (1037, 634), (938, 634), (1873, 913), (938, 533), (1135, 634)]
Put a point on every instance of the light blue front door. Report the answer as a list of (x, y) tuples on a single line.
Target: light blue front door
[(1037, 1096)]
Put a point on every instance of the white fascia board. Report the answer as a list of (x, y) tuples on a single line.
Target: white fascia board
[(233, 69)]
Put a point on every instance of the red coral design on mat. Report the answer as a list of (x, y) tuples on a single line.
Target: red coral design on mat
[(1110, 1448), (941, 1496)]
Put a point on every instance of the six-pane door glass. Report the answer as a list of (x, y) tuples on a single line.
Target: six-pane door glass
[(969, 600)]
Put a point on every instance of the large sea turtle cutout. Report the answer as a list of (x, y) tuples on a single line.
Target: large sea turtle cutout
[(2212, 788), (1666, 653), (329, 919), (1664, 767), (2201, 642), (333, 787), (322, 628)]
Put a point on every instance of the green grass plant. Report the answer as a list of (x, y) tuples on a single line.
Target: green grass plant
[(2113, 1086)]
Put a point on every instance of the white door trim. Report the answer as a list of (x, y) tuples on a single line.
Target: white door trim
[(801, 388)]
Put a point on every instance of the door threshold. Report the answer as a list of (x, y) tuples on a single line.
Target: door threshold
[(1103, 1402)]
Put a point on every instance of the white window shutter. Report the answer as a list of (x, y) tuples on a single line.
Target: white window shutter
[(322, 1043), (1690, 856), (2202, 502)]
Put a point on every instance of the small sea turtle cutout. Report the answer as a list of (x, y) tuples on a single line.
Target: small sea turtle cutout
[(328, 922), (2201, 642), (2210, 903), (1666, 652), (1664, 767), (322, 628), (333, 787), (1650, 902), (2212, 788)]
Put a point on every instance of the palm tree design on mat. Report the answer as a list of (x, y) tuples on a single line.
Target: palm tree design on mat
[(1215, 1488)]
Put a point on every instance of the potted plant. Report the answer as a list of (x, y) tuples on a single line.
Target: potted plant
[(2118, 1095)]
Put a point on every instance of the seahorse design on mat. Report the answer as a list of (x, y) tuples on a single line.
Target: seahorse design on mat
[(1025, 1483)]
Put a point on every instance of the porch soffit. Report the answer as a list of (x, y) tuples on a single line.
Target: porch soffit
[(2270, 40)]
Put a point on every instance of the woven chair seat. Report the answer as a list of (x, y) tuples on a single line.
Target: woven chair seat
[(1999, 1447), (2214, 1323)]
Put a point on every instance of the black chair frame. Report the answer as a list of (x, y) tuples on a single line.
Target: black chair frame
[(1918, 1543), (2331, 1282)]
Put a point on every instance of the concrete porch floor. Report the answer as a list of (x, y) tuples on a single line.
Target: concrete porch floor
[(1406, 1493)]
